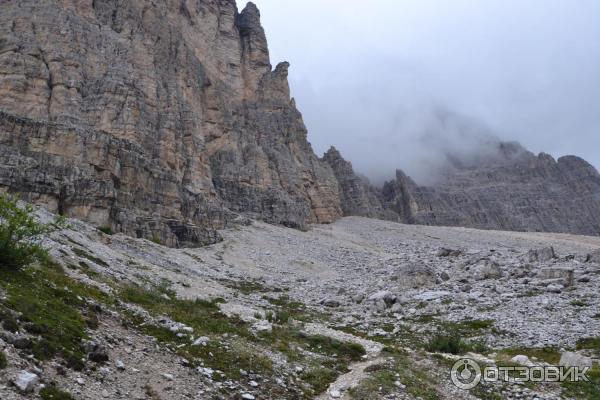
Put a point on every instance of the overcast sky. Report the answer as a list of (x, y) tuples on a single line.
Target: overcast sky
[(371, 76)]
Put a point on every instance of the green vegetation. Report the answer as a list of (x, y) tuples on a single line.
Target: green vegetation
[(106, 229), (51, 392), (3, 360), (579, 303), (319, 378), (584, 390), (247, 287), (550, 355), (401, 369), (53, 307), (453, 343), (19, 232), (286, 309), (205, 318), (592, 343)]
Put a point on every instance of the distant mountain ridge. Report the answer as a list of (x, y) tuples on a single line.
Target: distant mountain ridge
[(166, 120)]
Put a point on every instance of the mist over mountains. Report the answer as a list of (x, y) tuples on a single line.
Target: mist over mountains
[(369, 76)]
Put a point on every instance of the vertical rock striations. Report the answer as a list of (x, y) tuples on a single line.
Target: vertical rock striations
[(358, 197), (160, 118)]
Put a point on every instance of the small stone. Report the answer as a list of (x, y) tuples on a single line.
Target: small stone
[(26, 381), (120, 365), (332, 303), (522, 360), (554, 288), (253, 383), (168, 377), (201, 341), (335, 394), (248, 396), (80, 381)]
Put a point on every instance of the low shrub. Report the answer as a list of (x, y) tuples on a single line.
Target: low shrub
[(19, 233)]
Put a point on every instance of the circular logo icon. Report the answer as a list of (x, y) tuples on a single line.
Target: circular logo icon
[(465, 374)]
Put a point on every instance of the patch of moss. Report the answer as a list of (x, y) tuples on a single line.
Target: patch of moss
[(3, 360)]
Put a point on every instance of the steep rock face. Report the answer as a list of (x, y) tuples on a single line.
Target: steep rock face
[(357, 196), (160, 118), (519, 191)]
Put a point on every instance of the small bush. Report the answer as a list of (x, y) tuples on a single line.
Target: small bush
[(453, 343), (53, 393), (18, 233)]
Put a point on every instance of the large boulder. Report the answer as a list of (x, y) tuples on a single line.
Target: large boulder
[(382, 299), (414, 276), (487, 269), (562, 274), (572, 359), (541, 255)]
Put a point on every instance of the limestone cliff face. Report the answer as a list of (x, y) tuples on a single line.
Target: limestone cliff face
[(520, 192), (160, 118), (358, 197)]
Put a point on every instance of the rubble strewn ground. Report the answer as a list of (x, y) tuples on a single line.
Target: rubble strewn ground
[(359, 309)]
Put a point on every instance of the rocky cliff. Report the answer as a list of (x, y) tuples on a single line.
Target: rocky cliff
[(163, 119), (516, 191), (166, 120)]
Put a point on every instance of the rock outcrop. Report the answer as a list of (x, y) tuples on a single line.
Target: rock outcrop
[(162, 119), (357, 196), (165, 120), (518, 191)]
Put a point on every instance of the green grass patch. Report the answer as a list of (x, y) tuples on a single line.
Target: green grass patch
[(579, 303), (584, 390), (53, 307), (51, 392), (550, 355), (205, 318), (319, 378), (401, 368), (290, 308), (591, 343)]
